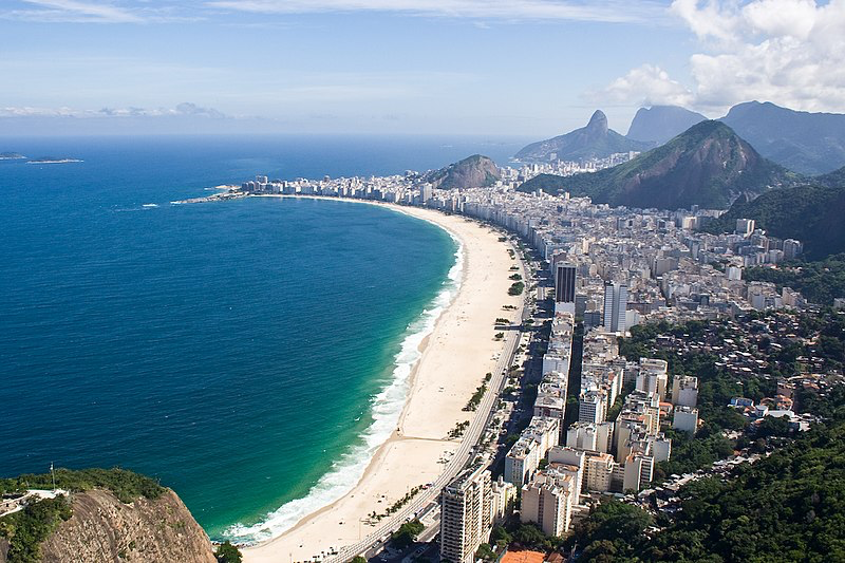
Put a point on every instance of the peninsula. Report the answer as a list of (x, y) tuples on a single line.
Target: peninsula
[(53, 160)]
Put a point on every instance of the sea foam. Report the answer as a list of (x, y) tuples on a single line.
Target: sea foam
[(386, 409)]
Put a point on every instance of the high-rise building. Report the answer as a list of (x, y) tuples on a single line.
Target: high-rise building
[(744, 227), (615, 304), (565, 287), (791, 249), (426, 193), (685, 419), (466, 515), (685, 391), (547, 500)]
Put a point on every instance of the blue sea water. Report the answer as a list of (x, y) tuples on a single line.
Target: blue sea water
[(250, 354)]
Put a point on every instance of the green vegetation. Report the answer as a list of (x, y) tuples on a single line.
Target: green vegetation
[(476, 398), (359, 559), (500, 536), (530, 535), (616, 408), (811, 214), (227, 552), (788, 507), (28, 528), (458, 430), (613, 531), (693, 453), (516, 289), (126, 485), (706, 165), (499, 336), (502, 321), (820, 282), (485, 553), (397, 505), (407, 534), (515, 277)]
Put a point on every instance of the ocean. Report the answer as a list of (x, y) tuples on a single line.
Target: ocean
[(250, 354)]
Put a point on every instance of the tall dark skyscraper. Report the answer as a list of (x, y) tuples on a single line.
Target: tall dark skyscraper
[(565, 287)]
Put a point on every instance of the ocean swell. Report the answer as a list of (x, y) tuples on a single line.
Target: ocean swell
[(386, 408)]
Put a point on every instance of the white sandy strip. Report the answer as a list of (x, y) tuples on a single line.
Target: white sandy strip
[(455, 357)]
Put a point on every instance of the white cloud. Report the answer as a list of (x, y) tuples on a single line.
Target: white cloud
[(87, 11), (605, 11), (647, 85), (82, 10), (790, 52)]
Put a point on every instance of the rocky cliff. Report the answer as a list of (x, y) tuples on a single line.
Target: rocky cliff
[(103, 529), (476, 171), (108, 516)]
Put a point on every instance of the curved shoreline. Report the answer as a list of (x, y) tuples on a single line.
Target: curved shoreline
[(281, 519), (454, 357)]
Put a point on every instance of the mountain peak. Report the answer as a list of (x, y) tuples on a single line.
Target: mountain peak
[(707, 165), (659, 124), (593, 141), (598, 122), (807, 142), (476, 171)]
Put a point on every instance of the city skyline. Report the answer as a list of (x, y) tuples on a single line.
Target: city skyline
[(532, 67)]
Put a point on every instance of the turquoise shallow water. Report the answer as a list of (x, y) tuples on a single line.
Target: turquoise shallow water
[(233, 350)]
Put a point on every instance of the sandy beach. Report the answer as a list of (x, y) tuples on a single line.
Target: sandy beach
[(455, 358)]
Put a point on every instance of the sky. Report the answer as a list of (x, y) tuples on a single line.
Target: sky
[(487, 67)]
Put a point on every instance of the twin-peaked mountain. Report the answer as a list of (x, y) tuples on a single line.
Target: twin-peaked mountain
[(594, 141), (476, 171), (708, 165)]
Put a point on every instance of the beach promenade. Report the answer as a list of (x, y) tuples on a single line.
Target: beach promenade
[(455, 358)]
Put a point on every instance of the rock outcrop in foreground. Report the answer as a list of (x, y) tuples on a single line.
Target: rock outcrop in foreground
[(103, 529), (97, 515)]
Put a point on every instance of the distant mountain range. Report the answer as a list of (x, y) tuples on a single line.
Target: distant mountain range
[(476, 171), (659, 124), (595, 140), (812, 214), (809, 143), (708, 165)]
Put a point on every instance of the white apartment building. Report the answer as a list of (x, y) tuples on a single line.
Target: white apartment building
[(685, 391)]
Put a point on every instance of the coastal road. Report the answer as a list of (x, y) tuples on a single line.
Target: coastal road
[(456, 464)]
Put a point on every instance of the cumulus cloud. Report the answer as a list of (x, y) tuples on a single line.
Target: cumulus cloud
[(790, 52), (648, 85)]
